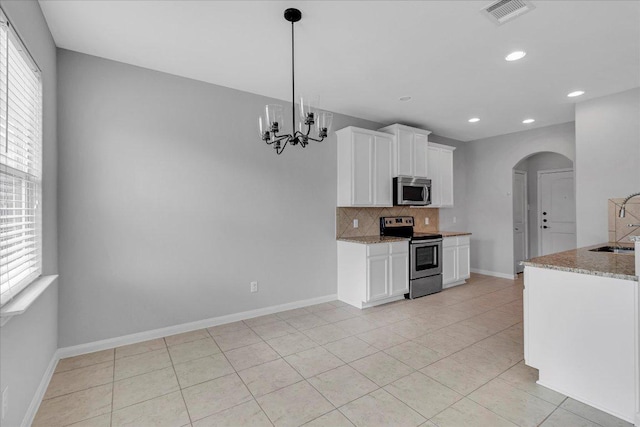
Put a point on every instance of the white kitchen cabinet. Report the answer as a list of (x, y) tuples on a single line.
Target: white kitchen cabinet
[(364, 167), (372, 274), (449, 264), (455, 260), (440, 167), (410, 150), (399, 274)]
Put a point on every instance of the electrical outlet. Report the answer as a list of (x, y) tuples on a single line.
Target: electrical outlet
[(5, 401), (355, 223), (426, 220), (454, 219), (254, 286)]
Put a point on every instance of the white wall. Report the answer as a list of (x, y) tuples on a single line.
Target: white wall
[(607, 159), (532, 165), (29, 341), (489, 164), (170, 205)]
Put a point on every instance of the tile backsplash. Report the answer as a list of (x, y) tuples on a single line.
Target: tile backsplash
[(619, 230), (369, 220)]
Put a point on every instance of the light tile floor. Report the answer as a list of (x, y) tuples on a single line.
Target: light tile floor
[(449, 359)]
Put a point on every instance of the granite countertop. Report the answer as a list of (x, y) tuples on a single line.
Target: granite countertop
[(581, 260), (454, 233), (369, 240)]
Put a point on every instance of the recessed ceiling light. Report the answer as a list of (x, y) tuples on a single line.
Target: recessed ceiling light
[(474, 120), (514, 56), (527, 121), (405, 98), (576, 93)]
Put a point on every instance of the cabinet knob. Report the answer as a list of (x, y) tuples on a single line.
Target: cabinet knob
[(544, 213)]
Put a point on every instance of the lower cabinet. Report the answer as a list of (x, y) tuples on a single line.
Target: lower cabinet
[(372, 274), (455, 261)]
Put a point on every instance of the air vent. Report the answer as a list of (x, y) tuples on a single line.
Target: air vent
[(502, 11)]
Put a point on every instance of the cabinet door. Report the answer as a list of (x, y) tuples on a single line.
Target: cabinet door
[(449, 265), (382, 169), (405, 153), (362, 158), (433, 160), (420, 154), (399, 274), (446, 177), (464, 270), (377, 277)]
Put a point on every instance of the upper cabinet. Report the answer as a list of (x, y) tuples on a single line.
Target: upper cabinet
[(365, 169), (440, 167), (368, 160), (410, 150)]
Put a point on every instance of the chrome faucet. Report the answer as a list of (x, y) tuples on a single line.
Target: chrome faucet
[(622, 210)]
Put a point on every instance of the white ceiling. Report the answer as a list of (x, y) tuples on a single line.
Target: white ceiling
[(361, 56)]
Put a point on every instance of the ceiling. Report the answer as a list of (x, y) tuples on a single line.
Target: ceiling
[(360, 57)]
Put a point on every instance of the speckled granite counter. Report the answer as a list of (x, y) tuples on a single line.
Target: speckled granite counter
[(582, 260), (369, 240), (454, 233)]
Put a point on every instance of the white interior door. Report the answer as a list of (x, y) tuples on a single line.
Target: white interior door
[(520, 226), (557, 216)]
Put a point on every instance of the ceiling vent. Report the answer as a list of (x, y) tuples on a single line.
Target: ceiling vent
[(502, 11)]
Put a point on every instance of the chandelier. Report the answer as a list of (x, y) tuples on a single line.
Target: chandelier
[(272, 122)]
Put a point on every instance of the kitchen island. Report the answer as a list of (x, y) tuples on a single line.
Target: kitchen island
[(582, 327)]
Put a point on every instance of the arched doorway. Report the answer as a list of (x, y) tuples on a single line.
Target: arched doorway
[(543, 206)]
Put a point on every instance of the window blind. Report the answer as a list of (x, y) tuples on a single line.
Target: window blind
[(20, 165)]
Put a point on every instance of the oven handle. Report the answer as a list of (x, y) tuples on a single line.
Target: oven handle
[(425, 242)]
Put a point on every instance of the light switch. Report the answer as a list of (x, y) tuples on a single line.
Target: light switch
[(355, 223)]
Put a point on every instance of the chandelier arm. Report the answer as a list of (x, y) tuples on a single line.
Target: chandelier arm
[(278, 138), (279, 151), (317, 140)]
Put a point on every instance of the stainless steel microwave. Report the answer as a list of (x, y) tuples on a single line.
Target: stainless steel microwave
[(411, 191)]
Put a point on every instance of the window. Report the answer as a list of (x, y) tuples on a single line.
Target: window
[(20, 165)]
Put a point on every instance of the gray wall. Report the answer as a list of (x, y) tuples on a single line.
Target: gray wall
[(170, 204), (460, 208), (607, 159), (489, 164), (29, 341), (532, 165)]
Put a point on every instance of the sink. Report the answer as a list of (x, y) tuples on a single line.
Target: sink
[(614, 249)]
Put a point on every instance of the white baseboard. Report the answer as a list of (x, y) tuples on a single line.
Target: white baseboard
[(40, 391), (493, 273), (452, 284), (625, 417), (185, 327)]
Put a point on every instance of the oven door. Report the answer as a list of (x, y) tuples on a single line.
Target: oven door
[(426, 258)]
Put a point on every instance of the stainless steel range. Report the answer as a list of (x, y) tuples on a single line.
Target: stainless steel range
[(425, 255)]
